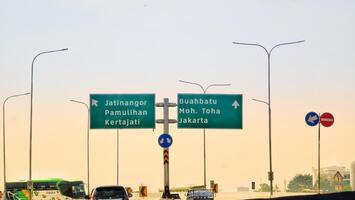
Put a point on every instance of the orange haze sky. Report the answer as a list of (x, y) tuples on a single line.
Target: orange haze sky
[(146, 47)]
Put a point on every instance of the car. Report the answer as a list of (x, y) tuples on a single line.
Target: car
[(197, 194), (109, 192), (175, 196)]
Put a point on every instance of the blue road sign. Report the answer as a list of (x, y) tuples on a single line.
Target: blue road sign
[(312, 119), (165, 140)]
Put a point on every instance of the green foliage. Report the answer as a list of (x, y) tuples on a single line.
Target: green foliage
[(264, 187), (179, 189), (347, 188), (184, 189), (300, 183), (326, 185)]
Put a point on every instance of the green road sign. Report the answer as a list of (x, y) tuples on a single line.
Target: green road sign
[(120, 111), (210, 111)]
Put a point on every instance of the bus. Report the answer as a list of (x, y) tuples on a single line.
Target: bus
[(47, 189)]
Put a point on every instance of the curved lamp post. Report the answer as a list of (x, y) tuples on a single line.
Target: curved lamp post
[(268, 52), (204, 90), (88, 142), (30, 184), (3, 132)]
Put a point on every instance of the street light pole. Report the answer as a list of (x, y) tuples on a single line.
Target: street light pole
[(88, 142), (3, 133), (31, 114), (204, 90), (260, 101), (268, 52)]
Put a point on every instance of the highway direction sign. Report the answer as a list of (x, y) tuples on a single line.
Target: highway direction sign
[(326, 119), (121, 111), (312, 119), (165, 140), (210, 111)]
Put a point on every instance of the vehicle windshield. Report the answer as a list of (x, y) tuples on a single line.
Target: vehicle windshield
[(72, 189), (110, 193)]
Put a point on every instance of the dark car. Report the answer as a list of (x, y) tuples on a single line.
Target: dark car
[(197, 194), (109, 192)]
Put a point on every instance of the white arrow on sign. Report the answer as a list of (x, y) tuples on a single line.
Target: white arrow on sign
[(312, 118), (235, 104), (94, 102)]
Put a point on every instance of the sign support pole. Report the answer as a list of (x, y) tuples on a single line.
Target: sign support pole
[(166, 121), (327, 120), (118, 154), (204, 158), (319, 157), (166, 164)]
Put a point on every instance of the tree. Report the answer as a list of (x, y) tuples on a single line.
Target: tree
[(264, 187), (300, 183), (326, 185)]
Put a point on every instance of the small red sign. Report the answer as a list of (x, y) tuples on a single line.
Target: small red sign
[(326, 119)]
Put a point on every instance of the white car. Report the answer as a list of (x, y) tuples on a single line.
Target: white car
[(109, 193)]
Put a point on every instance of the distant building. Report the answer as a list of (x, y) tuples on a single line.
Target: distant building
[(338, 180), (243, 189), (353, 175), (329, 173)]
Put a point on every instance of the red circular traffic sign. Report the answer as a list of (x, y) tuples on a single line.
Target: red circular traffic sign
[(326, 119)]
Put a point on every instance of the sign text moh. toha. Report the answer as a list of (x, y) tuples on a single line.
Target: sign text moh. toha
[(223, 111), (120, 111)]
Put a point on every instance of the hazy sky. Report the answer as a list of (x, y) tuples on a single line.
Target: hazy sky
[(146, 47)]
